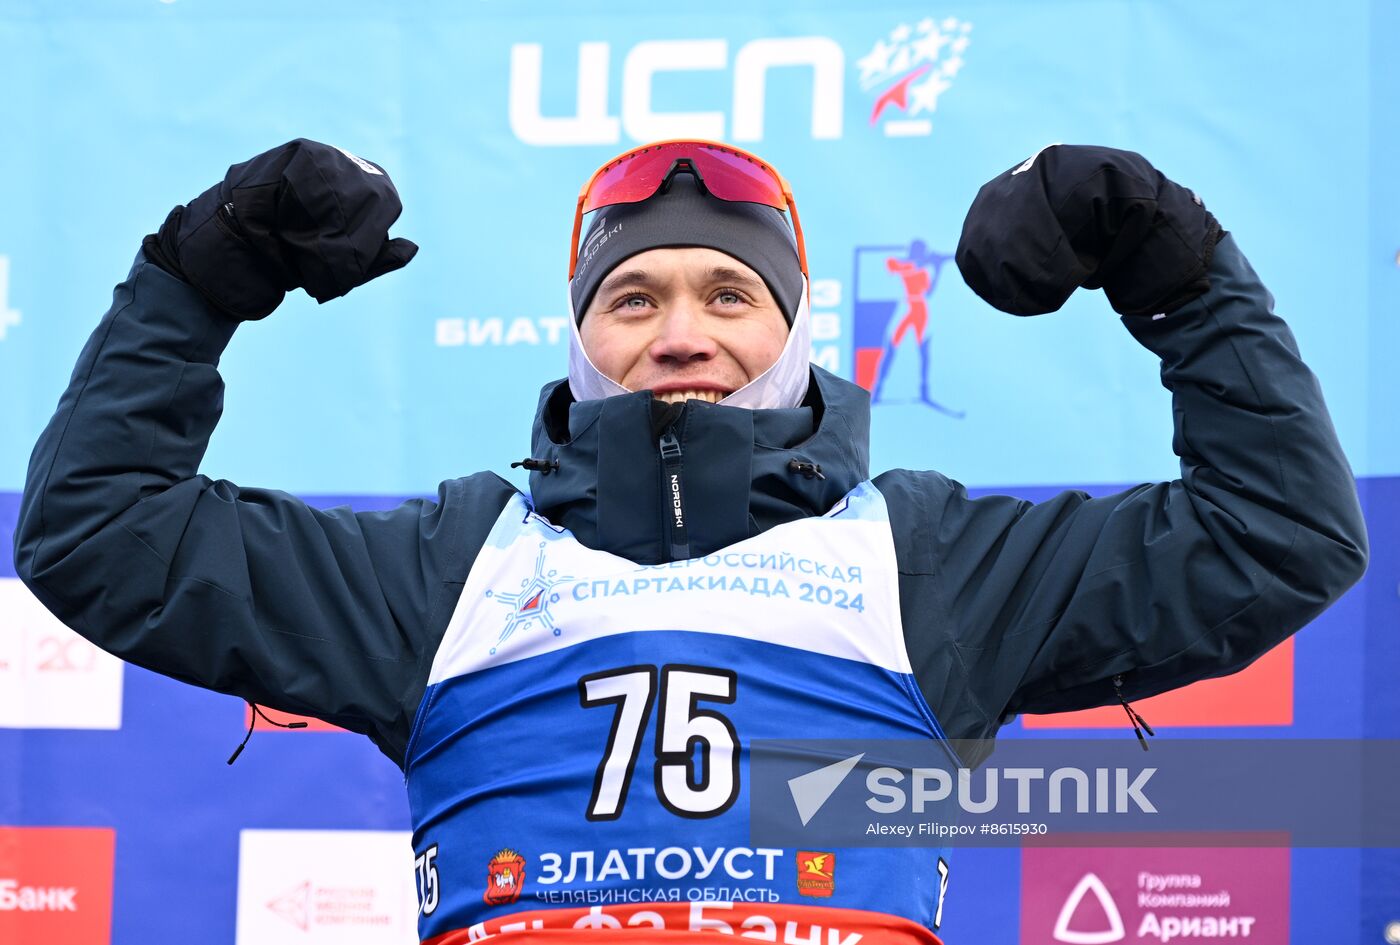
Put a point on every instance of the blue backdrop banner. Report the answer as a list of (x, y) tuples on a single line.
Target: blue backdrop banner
[(886, 118)]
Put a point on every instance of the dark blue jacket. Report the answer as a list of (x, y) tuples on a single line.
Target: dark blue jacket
[(1008, 606)]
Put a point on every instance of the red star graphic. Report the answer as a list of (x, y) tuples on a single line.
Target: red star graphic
[(897, 94)]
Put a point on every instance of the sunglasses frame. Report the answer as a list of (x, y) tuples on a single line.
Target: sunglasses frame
[(781, 181)]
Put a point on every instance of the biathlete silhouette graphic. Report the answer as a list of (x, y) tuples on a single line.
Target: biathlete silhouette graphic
[(919, 272)]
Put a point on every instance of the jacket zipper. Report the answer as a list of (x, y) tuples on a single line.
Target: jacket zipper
[(673, 496)]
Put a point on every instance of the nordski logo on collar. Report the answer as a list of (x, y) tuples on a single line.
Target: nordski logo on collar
[(532, 602), (677, 509)]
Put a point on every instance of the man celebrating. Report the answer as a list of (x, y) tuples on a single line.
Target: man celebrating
[(570, 680)]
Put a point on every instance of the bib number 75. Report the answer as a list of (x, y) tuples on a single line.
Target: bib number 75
[(697, 758)]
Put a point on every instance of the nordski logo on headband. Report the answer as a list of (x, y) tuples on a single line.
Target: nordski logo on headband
[(596, 241)]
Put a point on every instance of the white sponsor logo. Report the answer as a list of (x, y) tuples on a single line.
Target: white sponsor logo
[(1030, 161), (495, 331), (308, 904), (49, 676), (9, 318), (826, 325), (1089, 884), (593, 121), (348, 887), (1180, 892), (906, 71), (361, 163), (912, 67), (649, 863), (17, 898)]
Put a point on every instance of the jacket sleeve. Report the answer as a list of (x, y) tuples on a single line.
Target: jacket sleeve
[(251, 592), (1166, 583)]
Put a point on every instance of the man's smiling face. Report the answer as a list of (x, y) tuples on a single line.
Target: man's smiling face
[(683, 323)]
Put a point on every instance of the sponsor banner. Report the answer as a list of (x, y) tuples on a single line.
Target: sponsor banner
[(886, 123), (1097, 792), (1262, 694), (901, 76), (1100, 896), (49, 676), (337, 887), (56, 885)]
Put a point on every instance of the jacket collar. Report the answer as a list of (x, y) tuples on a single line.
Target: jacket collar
[(736, 466)]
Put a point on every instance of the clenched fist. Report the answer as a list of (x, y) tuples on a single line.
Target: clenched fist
[(1075, 215), (303, 215)]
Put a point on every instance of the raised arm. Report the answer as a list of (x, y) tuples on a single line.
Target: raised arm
[(250, 592), (1166, 583)]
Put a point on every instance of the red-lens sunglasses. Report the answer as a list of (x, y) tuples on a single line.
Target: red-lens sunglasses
[(725, 172)]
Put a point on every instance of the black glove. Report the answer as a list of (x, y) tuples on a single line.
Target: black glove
[(302, 215), (1077, 215)]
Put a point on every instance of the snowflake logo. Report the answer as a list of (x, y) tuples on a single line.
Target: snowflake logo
[(532, 602), (915, 65)]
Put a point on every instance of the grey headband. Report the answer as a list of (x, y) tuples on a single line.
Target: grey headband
[(756, 235)]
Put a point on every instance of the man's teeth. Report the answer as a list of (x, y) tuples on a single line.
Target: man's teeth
[(681, 396)]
